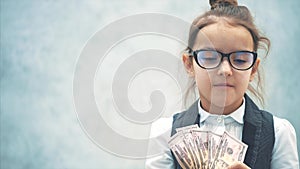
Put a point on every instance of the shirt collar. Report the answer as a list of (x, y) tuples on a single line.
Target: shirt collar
[(237, 115)]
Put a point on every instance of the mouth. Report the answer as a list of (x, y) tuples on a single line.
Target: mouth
[(223, 85)]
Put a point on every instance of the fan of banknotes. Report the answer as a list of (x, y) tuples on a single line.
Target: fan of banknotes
[(197, 149)]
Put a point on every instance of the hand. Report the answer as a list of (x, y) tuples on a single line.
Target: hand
[(239, 165)]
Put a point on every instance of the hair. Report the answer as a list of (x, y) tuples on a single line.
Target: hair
[(235, 15)]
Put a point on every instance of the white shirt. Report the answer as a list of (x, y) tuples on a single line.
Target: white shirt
[(284, 155)]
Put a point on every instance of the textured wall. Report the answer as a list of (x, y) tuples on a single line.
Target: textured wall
[(40, 44)]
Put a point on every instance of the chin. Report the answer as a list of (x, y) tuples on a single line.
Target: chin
[(222, 101)]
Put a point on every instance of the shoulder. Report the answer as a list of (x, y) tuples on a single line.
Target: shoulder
[(282, 125), (285, 153), (178, 116), (186, 117), (161, 126), (164, 125)]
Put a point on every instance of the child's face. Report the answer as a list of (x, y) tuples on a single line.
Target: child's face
[(222, 89)]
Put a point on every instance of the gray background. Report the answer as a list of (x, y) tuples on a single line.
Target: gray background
[(40, 43)]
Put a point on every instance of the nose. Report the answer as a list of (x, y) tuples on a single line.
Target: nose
[(225, 68)]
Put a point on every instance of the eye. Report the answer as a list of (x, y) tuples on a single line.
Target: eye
[(208, 55), (239, 61), (240, 58), (209, 58)]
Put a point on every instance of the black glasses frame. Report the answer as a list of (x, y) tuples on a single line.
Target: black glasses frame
[(227, 55)]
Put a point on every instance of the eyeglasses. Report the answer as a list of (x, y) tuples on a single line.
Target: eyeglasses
[(210, 59)]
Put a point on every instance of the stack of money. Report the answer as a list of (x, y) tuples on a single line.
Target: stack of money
[(197, 149)]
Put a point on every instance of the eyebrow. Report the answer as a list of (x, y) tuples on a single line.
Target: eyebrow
[(208, 48)]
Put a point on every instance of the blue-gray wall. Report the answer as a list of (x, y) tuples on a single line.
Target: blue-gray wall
[(40, 43)]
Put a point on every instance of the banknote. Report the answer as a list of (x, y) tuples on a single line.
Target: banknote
[(194, 126), (194, 148), (213, 146), (201, 141), (180, 151), (229, 151), (189, 142), (189, 139)]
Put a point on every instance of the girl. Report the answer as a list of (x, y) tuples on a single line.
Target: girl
[(221, 59)]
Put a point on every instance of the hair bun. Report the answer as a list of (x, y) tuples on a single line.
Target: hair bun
[(215, 3)]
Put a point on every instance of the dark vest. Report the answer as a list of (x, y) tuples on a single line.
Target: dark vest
[(258, 133)]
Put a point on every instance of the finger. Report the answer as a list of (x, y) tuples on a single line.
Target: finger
[(239, 166)]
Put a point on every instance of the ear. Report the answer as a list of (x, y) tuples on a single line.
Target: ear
[(254, 69), (188, 64)]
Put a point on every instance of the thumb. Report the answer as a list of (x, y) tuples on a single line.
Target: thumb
[(238, 165)]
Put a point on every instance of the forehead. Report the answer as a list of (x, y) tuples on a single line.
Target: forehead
[(224, 37)]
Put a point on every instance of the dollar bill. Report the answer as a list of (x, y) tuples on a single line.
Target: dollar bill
[(190, 138), (185, 128), (213, 145), (194, 148), (229, 151), (201, 141), (180, 151)]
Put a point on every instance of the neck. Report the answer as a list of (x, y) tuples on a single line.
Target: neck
[(221, 110)]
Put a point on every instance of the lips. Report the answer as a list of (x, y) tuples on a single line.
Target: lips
[(223, 85)]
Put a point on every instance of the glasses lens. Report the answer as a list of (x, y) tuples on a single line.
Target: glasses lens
[(208, 59), (242, 60)]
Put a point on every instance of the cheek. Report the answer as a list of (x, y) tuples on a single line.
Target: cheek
[(243, 78), (203, 79)]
